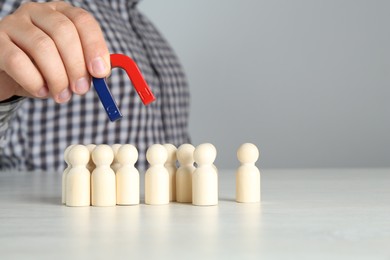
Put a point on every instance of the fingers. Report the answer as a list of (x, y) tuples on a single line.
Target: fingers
[(16, 64), (54, 45), (42, 49), (64, 34), (92, 40)]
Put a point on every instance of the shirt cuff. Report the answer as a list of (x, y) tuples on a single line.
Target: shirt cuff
[(9, 105), (11, 99)]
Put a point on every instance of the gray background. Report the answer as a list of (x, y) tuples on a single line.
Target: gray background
[(306, 81)]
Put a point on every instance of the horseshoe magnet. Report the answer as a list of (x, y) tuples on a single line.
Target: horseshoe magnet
[(126, 63)]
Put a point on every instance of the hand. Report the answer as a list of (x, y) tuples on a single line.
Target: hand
[(50, 49)]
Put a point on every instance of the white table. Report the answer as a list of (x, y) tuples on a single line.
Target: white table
[(304, 214)]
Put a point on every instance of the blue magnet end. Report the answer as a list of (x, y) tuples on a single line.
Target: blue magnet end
[(106, 98)]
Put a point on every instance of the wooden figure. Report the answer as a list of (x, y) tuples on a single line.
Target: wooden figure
[(78, 179), (247, 174), (157, 176), (185, 156), (170, 165), (103, 184), (65, 172), (205, 177), (127, 176)]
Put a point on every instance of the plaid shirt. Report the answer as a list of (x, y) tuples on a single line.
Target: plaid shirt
[(34, 133)]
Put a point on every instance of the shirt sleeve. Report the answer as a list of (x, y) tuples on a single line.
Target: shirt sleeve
[(7, 110)]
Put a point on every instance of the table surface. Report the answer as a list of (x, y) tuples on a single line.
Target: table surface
[(304, 214)]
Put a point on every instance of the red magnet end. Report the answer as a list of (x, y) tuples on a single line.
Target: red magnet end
[(126, 63)]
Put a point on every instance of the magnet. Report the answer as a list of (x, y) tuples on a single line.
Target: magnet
[(126, 63)]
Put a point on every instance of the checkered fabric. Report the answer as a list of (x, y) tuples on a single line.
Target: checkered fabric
[(34, 133)]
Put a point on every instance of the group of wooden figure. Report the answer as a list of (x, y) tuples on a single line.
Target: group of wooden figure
[(103, 175)]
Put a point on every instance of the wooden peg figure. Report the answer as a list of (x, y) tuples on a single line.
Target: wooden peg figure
[(78, 179), (103, 184), (65, 172), (170, 165), (127, 176), (205, 178), (157, 176), (185, 156), (247, 174)]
